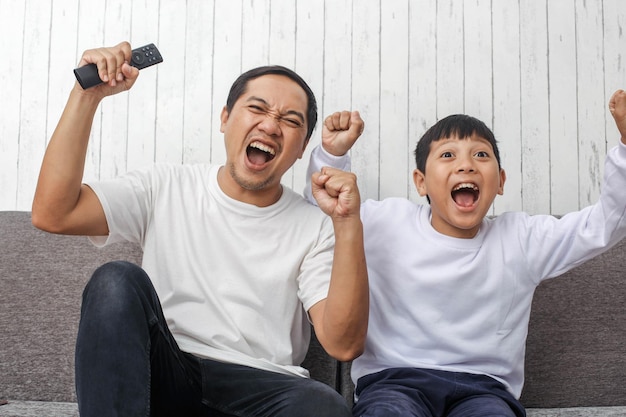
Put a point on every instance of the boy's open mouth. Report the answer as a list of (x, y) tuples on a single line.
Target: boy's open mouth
[(465, 194), (259, 153)]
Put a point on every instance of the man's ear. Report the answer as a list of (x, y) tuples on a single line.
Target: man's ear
[(223, 118), (502, 181), (420, 182)]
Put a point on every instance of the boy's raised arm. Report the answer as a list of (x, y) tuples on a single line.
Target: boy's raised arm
[(340, 131)]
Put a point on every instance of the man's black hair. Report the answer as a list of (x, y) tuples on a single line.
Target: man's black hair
[(241, 83)]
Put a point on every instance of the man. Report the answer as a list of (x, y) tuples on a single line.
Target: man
[(235, 264)]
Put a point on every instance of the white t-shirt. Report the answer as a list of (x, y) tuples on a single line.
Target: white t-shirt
[(463, 305), (235, 280)]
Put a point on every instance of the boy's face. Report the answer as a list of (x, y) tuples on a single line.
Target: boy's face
[(264, 133), (462, 179)]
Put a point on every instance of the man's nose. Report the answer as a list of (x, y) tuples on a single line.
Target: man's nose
[(270, 124)]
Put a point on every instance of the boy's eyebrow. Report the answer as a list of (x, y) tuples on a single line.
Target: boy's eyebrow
[(291, 112)]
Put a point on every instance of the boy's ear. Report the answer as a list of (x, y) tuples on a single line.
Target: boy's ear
[(420, 183), (502, 181), (223, 119)]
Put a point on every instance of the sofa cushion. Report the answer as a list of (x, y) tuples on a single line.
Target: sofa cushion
[(42, 277), (575, 355)]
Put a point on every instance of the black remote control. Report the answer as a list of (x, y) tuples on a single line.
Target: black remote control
[(141, 58)]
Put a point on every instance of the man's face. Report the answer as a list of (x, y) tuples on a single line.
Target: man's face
[(264, 134), (462, 179)]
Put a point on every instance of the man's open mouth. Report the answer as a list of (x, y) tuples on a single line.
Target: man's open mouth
[(259, 153), (465, 194)]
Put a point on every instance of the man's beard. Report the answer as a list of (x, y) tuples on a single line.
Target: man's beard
[(249, 185)]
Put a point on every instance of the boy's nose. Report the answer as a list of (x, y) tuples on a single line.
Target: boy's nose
[(466, 165)]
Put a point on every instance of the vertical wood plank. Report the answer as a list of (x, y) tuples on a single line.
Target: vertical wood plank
[(91, 22), (591, 100), (366, 67), (615, 59), (226, 65), (422, 85), (535, 107), (12, 23), (450, 58), (32, 133), (282, 33), (507, 100), (281, 49), (477, 50), (394, 39), (337, 59), (115, 109), (309, 63), (63, 40), (255, 33), (478, 96), (563, 115), (198, 86), (142, 98), (171, 82)]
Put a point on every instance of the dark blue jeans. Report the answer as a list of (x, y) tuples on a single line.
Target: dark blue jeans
[(413, 392), (128, 363)]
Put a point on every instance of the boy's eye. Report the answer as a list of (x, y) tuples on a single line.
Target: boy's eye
[(447, 155), (482, 154)]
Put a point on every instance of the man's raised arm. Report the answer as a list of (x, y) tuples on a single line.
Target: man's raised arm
[(62, 204)]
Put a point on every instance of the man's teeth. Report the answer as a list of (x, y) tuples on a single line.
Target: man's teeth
[(263, 148), (466, 185)]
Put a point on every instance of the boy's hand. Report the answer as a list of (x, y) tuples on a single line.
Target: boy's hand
[(340, 131), (617, 106), (336, 192), (113, 69)]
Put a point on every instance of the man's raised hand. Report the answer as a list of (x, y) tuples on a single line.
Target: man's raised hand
[(336, 193), (113, 68)]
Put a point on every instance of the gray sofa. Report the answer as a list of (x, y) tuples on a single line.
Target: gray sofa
[(576, 358)]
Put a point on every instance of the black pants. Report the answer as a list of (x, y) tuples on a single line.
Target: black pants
[(128, 363)]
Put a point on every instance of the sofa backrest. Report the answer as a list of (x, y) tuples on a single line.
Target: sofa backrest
[(576, 346), (575, 350), (42, 277)]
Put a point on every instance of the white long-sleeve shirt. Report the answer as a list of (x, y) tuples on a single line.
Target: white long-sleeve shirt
[(463, 305)]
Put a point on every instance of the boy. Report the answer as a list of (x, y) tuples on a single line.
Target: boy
[(451, 290)]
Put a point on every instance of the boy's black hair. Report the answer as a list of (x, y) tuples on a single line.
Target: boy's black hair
[(459, 125), (241, 84)]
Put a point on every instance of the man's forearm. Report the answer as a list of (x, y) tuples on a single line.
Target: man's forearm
[(347, 305)]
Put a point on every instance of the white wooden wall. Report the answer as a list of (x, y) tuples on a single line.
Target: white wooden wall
[(539, 72)]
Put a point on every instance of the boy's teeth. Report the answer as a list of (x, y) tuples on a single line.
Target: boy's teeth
[(465, 185)]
